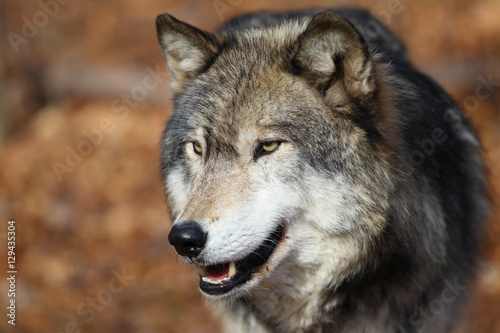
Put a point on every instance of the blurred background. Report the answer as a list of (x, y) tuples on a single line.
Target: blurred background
[(83, 98)]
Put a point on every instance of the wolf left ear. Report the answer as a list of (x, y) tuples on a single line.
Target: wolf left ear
[(331, 52), (187, 50)]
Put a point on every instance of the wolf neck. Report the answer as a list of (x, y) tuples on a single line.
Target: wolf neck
[(278, 304), (275, 307)]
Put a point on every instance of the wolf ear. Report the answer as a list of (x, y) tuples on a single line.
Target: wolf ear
[(187, 50), (331, 52)]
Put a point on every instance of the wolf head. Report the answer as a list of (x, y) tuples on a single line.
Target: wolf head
[(273, 148)]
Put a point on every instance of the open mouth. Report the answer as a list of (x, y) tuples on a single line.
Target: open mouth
[(221, 278)]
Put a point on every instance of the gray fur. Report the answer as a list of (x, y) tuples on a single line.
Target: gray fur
[(373, 236)]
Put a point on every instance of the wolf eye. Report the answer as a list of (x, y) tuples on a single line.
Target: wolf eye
[(197, 148), (270, 146), (266, 148)]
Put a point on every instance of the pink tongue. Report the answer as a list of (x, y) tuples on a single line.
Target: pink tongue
[(217, 272)]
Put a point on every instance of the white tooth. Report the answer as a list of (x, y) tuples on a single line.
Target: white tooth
[(209, 280), (201, 270), (232, 269)]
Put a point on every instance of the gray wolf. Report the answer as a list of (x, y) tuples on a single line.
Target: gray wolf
[(316, 179)]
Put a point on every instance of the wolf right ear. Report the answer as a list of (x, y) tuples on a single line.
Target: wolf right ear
[(187, 50), (332, 52)]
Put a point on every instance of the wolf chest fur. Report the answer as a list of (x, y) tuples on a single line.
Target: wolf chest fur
[(293, 177)]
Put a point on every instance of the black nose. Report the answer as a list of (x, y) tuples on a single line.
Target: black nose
[(187, 238)]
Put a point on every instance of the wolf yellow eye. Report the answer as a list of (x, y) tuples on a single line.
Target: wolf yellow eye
[(266, 148), (197, 148), (270, 146)]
